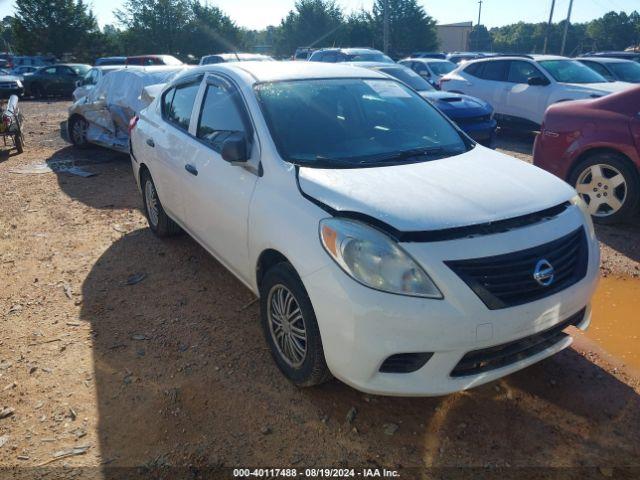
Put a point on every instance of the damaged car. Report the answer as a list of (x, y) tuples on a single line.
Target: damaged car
[(102, 116), (386, 248)]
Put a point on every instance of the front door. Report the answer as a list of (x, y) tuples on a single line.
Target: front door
[(217, 193)]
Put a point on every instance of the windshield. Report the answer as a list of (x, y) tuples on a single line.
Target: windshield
[(570, 71), (626, 71), (351, 122), (368, 57), (409, 77), (442, 68)]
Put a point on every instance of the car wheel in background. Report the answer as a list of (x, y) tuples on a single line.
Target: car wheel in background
[(159, 221), (78, 132), (37, 91), (609, 185), (290, 327)]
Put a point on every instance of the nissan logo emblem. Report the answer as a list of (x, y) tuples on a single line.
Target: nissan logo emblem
[(544, 273)]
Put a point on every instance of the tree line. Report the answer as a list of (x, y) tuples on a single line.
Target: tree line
[(190, 29)]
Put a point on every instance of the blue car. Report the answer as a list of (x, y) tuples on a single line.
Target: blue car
[(472, 115)]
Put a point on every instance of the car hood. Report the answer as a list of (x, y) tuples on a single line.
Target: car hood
[(476, 187), (456, 105), (606, 87)]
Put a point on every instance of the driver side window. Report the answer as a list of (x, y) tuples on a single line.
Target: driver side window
[(220, 117), (521, 72)]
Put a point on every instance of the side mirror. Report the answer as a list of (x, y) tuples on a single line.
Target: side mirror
[(538, 81), (234, 148)]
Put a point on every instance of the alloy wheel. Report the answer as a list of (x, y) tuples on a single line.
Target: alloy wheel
[(286, 325), (79, 132), (151, 199), (603, 188)]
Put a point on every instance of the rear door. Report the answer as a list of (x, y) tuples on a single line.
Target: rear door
[(172, 147), (217, 193), (487, 81)]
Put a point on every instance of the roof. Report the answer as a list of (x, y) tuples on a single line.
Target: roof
[(350, 50), (290, 70), (427, 60), (605, 60)]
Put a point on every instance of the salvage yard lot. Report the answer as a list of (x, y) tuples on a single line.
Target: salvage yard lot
[(147, 352)]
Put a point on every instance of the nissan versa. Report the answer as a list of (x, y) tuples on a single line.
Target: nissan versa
[(387, 248)]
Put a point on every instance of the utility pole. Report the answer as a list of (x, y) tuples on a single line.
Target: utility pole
[(546, 33), (478, 25), (385, 27), (566, 27)]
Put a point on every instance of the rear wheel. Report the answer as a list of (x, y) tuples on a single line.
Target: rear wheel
[(159, 221), (609, 185), (37, 91), (290, 327), (78, 132)]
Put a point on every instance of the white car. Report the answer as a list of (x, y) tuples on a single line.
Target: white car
[(386, 247), (521, 87), (431, 69), (91, 79)]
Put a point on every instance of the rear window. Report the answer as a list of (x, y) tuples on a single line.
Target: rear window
[(626, 71), (177, 104)]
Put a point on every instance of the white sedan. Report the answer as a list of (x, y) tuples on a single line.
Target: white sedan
[(387, 248)]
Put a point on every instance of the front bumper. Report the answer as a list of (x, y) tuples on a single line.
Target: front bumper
[(482, 132), (7, 92), (361, 328)]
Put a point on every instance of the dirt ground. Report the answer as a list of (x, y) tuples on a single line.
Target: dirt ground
[(122, 350)]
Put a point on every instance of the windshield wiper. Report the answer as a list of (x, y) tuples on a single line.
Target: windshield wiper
[(406, 154)]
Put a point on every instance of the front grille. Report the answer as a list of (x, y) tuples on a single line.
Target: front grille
[(405, 362), (8, 85), (508, 280), (480, 361)]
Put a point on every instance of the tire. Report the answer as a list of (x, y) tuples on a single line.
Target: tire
[(37, 91), (307, 369), (611, 181), (19, 142), (159, 222), (78, 132)]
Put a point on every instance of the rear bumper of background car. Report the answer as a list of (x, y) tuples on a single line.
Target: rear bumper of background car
[(482, 132)]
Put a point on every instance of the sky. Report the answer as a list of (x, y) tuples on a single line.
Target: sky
[(257, 14)]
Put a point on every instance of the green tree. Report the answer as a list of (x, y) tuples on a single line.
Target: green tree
[(154, 26), (358, 30), (209, 30), (410, 28), (615, 31), (312, 23), (54, 26), (480, 39)]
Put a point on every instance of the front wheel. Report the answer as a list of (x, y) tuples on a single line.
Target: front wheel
[(290, 327), (609, 185)]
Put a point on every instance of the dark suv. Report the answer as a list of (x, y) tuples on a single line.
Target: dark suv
[(334, 55)]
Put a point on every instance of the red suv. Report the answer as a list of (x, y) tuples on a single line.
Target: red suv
[(595, 146)]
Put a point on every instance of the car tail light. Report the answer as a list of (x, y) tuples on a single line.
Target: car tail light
[(133, 122)]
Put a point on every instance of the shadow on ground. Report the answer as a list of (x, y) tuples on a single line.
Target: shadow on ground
[(618, 237), (112, 186), (183, 377)]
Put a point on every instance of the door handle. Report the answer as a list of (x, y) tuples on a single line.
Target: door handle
[(150, 142), (191, 169)]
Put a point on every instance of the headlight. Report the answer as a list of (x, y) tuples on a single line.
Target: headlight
[(579, 202), (373, 259), (19, 83)]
